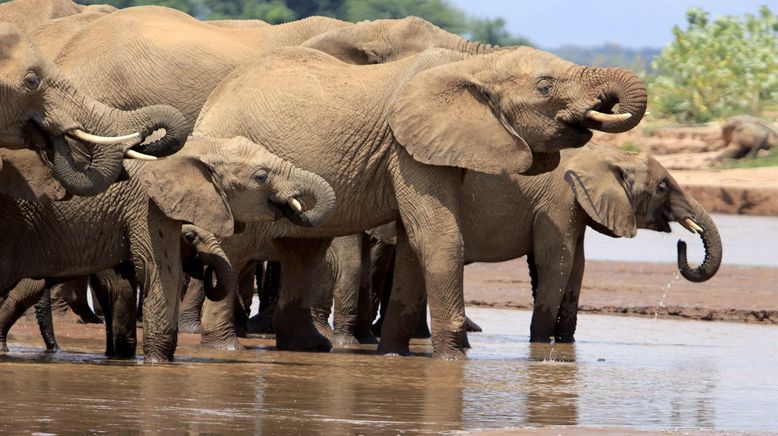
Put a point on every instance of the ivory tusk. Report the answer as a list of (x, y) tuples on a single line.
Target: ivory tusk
[(295, 205), (132, 154), (690, 222), (103, 140), (606, 118)]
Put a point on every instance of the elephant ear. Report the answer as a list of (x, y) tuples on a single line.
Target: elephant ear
[(447, 116), (347, 45), (599, 187), (24, 176), (185, 189)]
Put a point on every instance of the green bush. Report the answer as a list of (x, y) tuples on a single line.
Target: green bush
[(716, 69)]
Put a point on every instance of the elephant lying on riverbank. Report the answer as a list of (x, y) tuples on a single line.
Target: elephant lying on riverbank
[(395, 140), (215, 184), (745, 135), (545, 218)]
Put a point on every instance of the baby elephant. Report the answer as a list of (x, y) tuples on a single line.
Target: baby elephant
[(744, 136), (545, 217)]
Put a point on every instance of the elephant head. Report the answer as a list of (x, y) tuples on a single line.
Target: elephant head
[(621, 192), (202, 256), (41, 109), (490, 113), (216, 183), (380, 41)]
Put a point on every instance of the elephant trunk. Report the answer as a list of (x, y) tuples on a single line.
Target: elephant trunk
[(309, 199), (475, 47), (210, 254), (702, 224), (102, 129), (616, 86)]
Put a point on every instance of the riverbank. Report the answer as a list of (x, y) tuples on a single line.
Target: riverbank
[(736, 293)]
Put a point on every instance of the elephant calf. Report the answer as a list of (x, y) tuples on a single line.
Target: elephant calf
[(216, 184), (545, 217), (744, 136)]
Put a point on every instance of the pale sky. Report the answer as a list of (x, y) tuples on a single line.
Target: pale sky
[(631, 23)]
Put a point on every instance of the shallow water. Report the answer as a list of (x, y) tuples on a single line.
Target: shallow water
[(695, 376), (747, 240)]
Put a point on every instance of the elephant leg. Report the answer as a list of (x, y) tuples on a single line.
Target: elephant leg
[(762, 144), (553, 263), (191, 307), (117, 297), (422, 329), (568, 310), (19, 299), (218, 318), (350, 259), (293, 323), (45, 321), (366, 301), (406, 300), (72, 296), (157, 259), (382, 283), (323, 285), (268, 285)]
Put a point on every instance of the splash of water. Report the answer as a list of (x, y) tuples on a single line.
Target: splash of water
[(663, 300)]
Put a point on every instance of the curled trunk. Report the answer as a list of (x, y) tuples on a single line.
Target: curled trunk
[(710, 240), (617, 86), (91, 177), (311, 191), (210, 254)]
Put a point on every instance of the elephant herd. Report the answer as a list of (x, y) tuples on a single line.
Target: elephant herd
[(145, 149)]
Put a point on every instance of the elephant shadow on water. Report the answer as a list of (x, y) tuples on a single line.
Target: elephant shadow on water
[(212, 183)]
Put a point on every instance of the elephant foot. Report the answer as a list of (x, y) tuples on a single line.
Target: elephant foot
[(470, 326), (564, 339), (450, 345), (295, 331), (390, 347), (221, 342), (344, 338), (190, 326), (52, 350), (540, 338), (3, 346), (261, 323)]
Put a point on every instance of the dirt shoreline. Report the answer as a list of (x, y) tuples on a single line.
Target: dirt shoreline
[(735, 294), (738, 191)]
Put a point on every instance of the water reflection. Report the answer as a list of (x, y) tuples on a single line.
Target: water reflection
[(698, 375)]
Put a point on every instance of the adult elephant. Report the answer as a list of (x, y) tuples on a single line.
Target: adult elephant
[(42, 110), (544, 217), (215, 184), (28, 15), (395, 140), (745, 135)]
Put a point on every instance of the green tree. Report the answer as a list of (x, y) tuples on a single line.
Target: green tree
[(493, 31), (715, 69)]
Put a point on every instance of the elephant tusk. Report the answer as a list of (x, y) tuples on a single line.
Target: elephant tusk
[(132, 154), (606, 118), (295, 205), (691, 225), (103, 140)]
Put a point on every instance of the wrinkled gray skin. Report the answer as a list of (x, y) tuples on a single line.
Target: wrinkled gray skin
[(114, 290), (29, 15), (745, 135), (404, 133), (212, 183), (545, 217), (40, 108)]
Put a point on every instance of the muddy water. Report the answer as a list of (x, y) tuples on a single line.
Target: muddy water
[(629, 373)]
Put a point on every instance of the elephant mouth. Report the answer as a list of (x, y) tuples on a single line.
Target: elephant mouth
[(294, 209)]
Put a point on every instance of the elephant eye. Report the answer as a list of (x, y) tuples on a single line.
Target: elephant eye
[(661, 188), (32, 81), (260, 176), (190, 237), (544, 87)]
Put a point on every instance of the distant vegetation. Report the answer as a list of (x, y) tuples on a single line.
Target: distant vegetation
[(714, 69)]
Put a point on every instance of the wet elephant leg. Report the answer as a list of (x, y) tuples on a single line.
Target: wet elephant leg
[(554, 265), (293, 323), (406, 300), (191, 308), (23, 296), (45, 321), (349, 260), (567, 318), (323, 285), (268, 285), (218, 320), (117, 296)]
